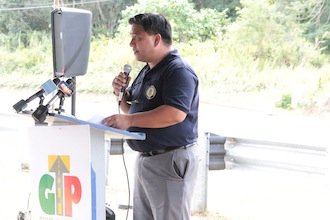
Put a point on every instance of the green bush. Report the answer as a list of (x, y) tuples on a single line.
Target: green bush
[(285, 102)]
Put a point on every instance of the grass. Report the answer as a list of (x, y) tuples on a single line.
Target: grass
[(225, 78)]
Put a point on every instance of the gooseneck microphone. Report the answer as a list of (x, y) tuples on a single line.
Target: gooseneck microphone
[(127, 70), (46, 88), (65, 89)]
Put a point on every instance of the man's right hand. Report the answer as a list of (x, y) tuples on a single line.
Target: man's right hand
[(119, 82)]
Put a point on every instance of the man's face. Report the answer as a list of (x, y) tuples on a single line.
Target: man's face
[(142, 43)]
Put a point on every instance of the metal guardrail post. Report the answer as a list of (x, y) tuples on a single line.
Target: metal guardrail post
[(200, 196), (116, 146), (217, 152), (112, 146), (211, 158)]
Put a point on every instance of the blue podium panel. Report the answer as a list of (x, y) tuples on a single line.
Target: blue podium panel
[(108, 131)]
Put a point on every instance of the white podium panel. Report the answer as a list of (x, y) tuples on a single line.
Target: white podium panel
[(65, 181)]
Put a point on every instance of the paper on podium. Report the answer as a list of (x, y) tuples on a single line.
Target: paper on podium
[(96, 119)]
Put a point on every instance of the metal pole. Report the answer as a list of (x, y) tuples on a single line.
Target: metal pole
[(73, 98)]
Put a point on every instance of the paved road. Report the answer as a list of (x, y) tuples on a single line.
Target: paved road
[(232, 194)]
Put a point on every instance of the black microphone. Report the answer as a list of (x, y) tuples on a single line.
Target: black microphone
[(66, 89), (46, 88), (127, 70)]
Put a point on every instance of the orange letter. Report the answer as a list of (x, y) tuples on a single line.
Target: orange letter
[(72, 193)]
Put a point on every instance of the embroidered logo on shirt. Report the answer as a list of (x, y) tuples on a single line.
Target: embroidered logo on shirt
[(151, 92)]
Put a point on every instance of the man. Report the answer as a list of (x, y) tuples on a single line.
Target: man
[(162, 102)]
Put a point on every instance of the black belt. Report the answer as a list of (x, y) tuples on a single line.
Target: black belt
[(165, 150)]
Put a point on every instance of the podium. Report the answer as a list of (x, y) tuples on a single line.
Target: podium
[(68, 168)]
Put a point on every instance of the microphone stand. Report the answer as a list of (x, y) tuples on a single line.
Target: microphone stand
[(60, 107)]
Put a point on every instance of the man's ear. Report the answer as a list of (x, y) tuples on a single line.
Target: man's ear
[(157, 39)]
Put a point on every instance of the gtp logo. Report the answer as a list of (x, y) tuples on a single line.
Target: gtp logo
[(57, 195)]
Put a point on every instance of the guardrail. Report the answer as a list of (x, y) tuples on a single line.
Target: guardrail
[(228, 152), (224, 152), (277, 155), (216, 146)]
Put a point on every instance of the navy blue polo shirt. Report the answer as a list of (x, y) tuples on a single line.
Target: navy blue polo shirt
[(171, 82)]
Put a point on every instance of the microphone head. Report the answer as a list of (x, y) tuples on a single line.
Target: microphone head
[(50, 86), (19, 106), (71, 84), (67, 88), (56, 81), (127, 68)]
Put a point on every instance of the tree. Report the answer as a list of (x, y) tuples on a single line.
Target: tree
[(34, 15), (264, 33), (315, 17), (14, 18), (107, 14), (224, 5), (187, 23)]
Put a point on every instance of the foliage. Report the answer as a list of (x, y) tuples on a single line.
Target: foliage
[(217, 73), (224, 5), (285, 102), (13, 21), (34, 15), (314, 15), (276, 41), (25, 39), (187, 23), (106, 15), (270, 49)]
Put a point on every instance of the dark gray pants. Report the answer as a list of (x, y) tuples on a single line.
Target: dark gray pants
[(164, 185)]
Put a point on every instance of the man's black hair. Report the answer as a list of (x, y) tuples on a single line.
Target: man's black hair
[(154, 24)]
